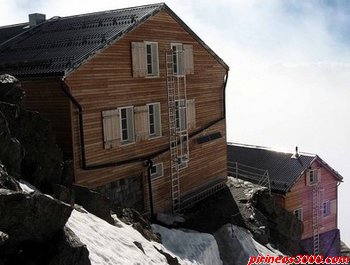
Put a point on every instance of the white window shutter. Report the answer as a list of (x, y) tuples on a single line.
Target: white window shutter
[(333, 206), (188, 59), (191, 114), (155, 61), (308, 183), (131, 125), (141, 123), (138, 54), (111, 131), (319, 175), (158, 119)]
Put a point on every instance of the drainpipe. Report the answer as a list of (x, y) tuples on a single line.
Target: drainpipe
[(149, 165), (81, 124), (224, 94)]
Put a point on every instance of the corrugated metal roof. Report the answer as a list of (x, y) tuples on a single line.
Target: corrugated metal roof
[(283, 169), (59, 45)]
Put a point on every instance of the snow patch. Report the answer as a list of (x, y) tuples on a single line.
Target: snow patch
[(192, 247)]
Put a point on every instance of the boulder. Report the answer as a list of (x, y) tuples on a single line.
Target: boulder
[(134, 218), (7, 182), (10, 89), (94, 202), (70, 250), (285, 229), (30, 217), (10, 151), (42, 159)]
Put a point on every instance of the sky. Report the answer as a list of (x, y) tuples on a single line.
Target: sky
[(289, 69)]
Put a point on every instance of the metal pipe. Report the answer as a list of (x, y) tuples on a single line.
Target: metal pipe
[(149, 165)]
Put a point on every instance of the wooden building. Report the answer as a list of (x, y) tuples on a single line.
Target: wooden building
[(136, 99), (303, 183)]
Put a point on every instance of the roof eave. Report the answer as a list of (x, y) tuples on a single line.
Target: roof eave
[(196, 37)]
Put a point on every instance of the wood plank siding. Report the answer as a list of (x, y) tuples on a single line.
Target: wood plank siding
[(300, 196), (106, 82), (46, 97)]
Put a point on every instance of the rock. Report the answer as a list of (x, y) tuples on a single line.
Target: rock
[(139, 245), (133, 217), (71, 251), (3, 238), (10, 151), (42, 159), (31, 217), (10, 89), (63, 193), (170, 259), (7, 182), (235, 245), (285, 229), (94, 202)]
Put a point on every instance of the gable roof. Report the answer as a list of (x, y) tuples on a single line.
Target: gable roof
[(60, 45), (283, 170)]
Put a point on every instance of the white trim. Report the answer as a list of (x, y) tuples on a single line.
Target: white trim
[(327, 202), (159, 171), (159, 133), (153, 75), (301, 213), (128, 141), (177, 44)]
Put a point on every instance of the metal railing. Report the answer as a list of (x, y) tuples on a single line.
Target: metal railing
[(252, 174)]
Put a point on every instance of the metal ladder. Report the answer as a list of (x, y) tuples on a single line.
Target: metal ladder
[(173, 137), (315, 218)]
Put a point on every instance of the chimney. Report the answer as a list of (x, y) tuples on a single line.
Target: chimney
[(296, 154), (36, 19)]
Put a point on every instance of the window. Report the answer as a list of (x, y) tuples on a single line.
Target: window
[(178, 58), (326, 209), (154, 120), (299, 214), (313, 177), (126, 115), (157, 170), (180, 115), (152, 65)]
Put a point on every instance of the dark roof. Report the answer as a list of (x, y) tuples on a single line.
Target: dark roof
[(8, 32), (59, 45), (283, 170)]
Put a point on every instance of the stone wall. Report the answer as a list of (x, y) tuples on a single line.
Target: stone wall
[(125, 193)]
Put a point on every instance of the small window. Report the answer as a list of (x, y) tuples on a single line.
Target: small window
[(326, 208), (180, 115), (154, 120), (157, 170), (152, 65), (313, 178), (127, 124), (178, 58), (299, 214)]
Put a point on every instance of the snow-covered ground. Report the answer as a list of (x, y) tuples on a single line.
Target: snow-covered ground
[(112, 245), (192, 247)]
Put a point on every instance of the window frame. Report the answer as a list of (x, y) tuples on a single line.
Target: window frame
[(130, 131), (299, 214), (326, 205), (154, 57), (314, 174), (157, 127), (159, 170), (176, 57), (179, 115)]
